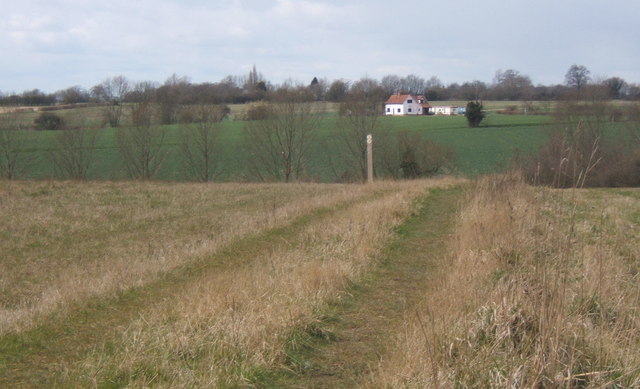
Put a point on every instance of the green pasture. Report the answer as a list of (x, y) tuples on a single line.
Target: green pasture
[(478, 150)]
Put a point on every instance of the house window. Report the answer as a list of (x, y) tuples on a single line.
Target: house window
[(388, 109), (409, 110), (398, 110), (409, 101)]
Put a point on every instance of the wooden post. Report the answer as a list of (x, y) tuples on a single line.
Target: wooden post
[(369, 158)]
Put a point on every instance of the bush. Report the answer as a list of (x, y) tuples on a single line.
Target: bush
[(258, 112), (422, 157), (48, 121), (474, 113)]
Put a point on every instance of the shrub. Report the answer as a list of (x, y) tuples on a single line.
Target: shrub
[(582, 151), (474, 113), (48, 121), (258, 112), (422, 157)]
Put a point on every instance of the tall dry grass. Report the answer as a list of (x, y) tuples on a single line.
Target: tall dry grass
[(541, 290), (226, 328), (63, 242)]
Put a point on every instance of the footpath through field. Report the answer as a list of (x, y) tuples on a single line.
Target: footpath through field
[(362, 327)]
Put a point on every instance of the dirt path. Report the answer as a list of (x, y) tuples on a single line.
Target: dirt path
[(367, 320)]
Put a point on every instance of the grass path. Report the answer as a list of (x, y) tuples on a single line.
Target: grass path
[(35, 358), (363, 325)]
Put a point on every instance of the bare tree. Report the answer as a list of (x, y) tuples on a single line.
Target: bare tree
[(511, 85), (13, 160), (577, 76), (200, 145), (170, 96), (337, 90), (74, 152), (359, 117), (112, 92), (142, 145), (277, 146), (391, 84)]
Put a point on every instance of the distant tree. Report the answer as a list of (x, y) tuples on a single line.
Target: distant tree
[(475, 90), (413, 84), (434, 82), (391, 84), (143, 91), (359, 117), (73, 95), (615, 85), (511, 85), (200, 142), (13, 160), (577, 76), (261, 86), (435, 89), (73, 152), (317, 88), (36, 97), (112, 92), (170, 96), (141, 146), (253, 79), (370, 87), (337, 91), (276, 148), (474, 113), (254, 87)]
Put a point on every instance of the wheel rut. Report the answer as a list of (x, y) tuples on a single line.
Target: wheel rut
[(365, 322)]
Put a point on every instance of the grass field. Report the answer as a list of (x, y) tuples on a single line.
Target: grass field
[(477, 151), (428, 283), (215, 278)]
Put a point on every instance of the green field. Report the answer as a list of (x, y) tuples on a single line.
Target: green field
[(477, 151)]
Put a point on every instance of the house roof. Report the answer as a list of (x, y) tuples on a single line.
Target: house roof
[(398, 98)]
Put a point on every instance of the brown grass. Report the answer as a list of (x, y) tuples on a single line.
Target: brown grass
[(541, 289), (63, 242), (232, 323)]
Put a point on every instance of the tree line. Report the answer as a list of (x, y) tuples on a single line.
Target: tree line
[(275, 148), (507, 85), (283, 128)]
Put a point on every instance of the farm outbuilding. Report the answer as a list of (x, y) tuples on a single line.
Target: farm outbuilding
[(446, 110)]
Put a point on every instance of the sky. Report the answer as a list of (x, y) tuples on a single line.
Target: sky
[(55, 44)]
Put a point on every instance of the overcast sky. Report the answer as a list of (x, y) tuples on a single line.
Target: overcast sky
[(53, 45)]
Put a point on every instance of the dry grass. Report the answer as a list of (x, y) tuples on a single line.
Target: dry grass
[(541, 289), (62, 242), (228, 326)]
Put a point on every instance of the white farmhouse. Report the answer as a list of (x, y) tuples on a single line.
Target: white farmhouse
[(400, 105)]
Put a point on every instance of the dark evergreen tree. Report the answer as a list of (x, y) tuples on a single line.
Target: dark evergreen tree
[(474, 113)]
